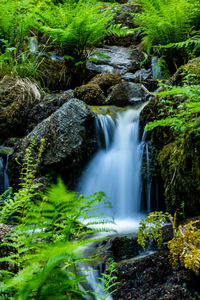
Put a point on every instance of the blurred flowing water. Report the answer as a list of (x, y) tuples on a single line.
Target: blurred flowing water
[(116, 167)]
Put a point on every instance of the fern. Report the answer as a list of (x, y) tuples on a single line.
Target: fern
[(183, 118), (20, 200), (79, 27), (45, 245), (167, 22)]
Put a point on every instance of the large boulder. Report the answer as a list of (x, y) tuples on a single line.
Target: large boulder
[(69, 142), (117, 60), (127, 93), (17, 97)]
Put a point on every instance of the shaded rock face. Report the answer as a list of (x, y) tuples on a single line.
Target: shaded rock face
[(17, 97), (126, 93), (120, 60), (69, 141), (48, 105), (143, 76)]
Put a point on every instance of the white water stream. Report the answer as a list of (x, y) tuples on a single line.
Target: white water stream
[(116, 170)]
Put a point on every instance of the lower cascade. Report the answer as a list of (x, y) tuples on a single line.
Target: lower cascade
[(116, 167)]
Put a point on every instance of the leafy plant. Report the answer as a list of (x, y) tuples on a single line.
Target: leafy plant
[(165, 22), (170, 28), (78, 28), (185, 116), (20, 200), (109, 280), (45, 245)]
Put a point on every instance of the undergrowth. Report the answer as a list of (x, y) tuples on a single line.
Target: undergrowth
[(44, 247)]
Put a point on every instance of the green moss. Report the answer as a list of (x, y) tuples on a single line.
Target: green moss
[(180, 170)]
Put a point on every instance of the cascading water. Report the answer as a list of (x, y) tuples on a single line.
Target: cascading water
[(115, 168), (4, 181)]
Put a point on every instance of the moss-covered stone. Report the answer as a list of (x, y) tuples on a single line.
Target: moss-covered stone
[(180, 170), (105, 81), (91, 94), (189, 73), (59, 75), (17, 97)]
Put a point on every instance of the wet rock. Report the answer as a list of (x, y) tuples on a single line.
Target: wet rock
[(69, 142), (139, 76), (90, 93), (124, 15), (126, 93), (17, 97), (118, 60), (45, 108), (143, 76), (105, 81)]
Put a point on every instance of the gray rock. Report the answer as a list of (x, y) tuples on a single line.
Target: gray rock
[(139, 76), (69, 141), (45, 108), (126, 93), (119, 61)]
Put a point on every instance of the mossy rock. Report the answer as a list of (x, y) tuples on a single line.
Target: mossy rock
[(59, 75), (91, 94), (187, 73), (106, 80), (17, 97), (180, 170)]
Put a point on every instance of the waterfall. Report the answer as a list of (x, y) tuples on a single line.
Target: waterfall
[(4, 181), (116, 167)]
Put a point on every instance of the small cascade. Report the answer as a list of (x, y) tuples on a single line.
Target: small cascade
[(4, 180), (115, 168)]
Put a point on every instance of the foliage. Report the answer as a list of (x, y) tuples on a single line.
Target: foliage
[(165, 22), (20, 200), (16, 19), (183, 117), (76, 28), (108, 279), (151, 227), (45, 245), (183, 248), (170, 29)]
